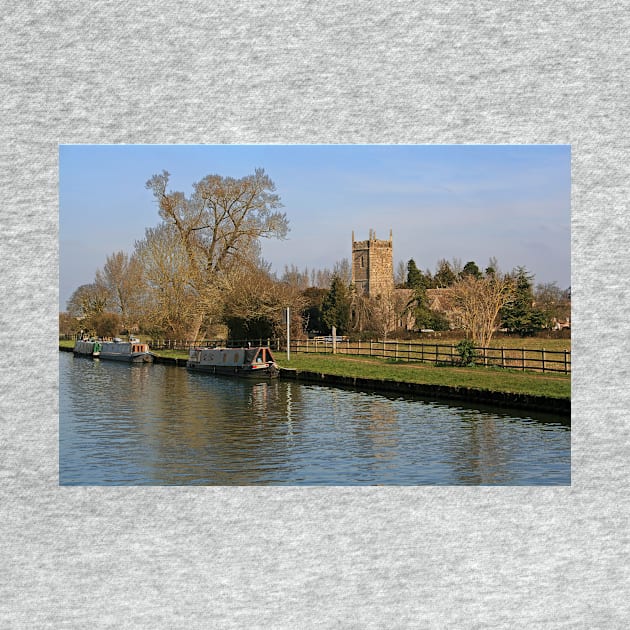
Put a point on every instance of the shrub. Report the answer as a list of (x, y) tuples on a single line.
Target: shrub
[(467, 353)]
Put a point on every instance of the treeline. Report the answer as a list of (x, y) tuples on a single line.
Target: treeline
[(199, 274), (528, 308)]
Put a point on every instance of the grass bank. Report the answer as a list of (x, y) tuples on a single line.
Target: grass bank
[(488, 379)]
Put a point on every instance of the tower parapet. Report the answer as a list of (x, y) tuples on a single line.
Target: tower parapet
[(372, 265)]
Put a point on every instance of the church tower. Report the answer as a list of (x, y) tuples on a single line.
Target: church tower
[(373, 266)]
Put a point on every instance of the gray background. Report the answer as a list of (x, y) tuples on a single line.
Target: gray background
[(362, 72)]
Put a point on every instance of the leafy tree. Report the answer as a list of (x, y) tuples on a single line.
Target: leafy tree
[(336, 307), (471, 269), (444, 276), (520, 315)]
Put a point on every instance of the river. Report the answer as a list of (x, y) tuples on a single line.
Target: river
[(122, 424)]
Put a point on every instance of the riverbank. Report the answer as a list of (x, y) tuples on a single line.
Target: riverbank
[(440, 392), (496, 386)]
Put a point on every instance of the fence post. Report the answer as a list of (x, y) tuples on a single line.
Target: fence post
[(436, 354), (565, 362), (543, 360), (502, 357), (523, 358)]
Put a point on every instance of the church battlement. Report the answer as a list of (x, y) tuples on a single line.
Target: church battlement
[(372, 265)]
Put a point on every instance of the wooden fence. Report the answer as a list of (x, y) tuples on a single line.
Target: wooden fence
[(437, 354), (444, 354)]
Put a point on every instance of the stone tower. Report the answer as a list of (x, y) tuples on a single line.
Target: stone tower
[(373, 266)]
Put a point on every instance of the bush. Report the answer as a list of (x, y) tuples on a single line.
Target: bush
[(467, 353)]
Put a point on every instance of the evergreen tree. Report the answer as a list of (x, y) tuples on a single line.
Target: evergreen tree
[(414, 275), (519, 315), (444, 276), (471, 269), (336, 307)]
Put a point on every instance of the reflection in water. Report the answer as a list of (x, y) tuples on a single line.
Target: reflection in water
[(155, 424)]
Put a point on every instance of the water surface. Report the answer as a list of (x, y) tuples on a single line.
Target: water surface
[(124, 424)]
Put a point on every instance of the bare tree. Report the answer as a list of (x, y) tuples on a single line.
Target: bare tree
[(476, 303), (294, 277), (219, 227), (256, 303), (343, 270), (172, 302), (88, 300), (400, 274), (122, 276)]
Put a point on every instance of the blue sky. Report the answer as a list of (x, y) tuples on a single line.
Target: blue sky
[(441, 201)]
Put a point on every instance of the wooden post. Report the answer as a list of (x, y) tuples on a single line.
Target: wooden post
[(565, 362), (543, 360), (523, 358), (288, 334), (502, 357)]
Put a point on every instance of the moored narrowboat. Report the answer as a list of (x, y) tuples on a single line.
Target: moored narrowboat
[(256, 362), (87, 348), (130, 351)]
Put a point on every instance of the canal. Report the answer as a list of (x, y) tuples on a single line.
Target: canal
[(122, 424)]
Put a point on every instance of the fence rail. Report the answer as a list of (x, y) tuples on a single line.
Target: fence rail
[(542, 360), (438, 354)]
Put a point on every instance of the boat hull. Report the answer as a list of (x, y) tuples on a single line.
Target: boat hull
[(261, 373), (128, 358), (90, 349)]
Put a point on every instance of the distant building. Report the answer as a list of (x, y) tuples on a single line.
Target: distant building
[(373, 275), (373, 266)]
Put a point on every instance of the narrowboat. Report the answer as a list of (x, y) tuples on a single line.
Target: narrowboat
[(256, 362), (130, 351), (86, 348)]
